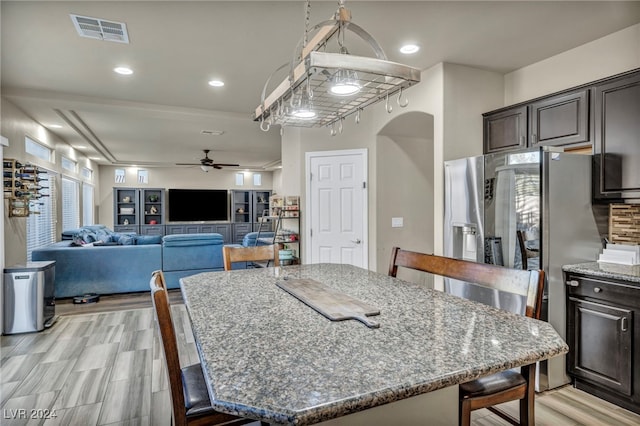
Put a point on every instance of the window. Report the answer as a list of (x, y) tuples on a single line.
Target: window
[(70, 204), (37, 149), (257, 179), (68, 165), (87, 205), (87, 173), (239, 179), (41, 226)]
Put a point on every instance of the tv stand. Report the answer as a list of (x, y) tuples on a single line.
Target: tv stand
[(200, 228)]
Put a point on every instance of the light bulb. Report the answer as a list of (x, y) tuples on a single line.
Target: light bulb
[(303, 113), (345, 83)]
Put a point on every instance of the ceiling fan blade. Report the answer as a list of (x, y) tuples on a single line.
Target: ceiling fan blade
[(225, 164), (188, 164)]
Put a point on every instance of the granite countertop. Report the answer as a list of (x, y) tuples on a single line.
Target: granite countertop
[(268, 356), (630, 273)]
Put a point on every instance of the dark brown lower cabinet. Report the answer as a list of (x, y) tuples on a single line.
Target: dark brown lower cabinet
[(603, 323)]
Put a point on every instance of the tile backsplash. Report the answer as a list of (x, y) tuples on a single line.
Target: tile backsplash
[(624, 223)]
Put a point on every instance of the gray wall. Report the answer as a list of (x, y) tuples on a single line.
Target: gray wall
[(16, 125)]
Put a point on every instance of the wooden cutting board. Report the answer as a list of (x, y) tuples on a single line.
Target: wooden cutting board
[(331, 303)]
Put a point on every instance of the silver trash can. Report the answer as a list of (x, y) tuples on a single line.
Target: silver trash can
[(28, 297)]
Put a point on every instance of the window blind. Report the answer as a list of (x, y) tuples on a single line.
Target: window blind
[(87, 204), (70, 204), (41, 224)]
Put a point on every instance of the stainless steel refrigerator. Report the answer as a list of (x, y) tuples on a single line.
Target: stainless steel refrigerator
[(543, 194)]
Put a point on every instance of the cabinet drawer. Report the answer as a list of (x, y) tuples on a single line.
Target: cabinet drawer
[(152, 229), (624, 294)]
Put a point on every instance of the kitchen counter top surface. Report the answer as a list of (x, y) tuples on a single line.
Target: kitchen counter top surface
[(268, 356), (630, 273)]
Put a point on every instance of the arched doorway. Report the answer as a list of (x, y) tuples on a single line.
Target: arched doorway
[(405, 177)]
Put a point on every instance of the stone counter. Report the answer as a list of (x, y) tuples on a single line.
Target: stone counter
[(268, 356), (606, 270)]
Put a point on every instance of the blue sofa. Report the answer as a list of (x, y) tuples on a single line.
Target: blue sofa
[(102, 270), (127, 268)]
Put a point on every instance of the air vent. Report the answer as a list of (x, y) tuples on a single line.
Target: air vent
[(212, 132), (100, 29)]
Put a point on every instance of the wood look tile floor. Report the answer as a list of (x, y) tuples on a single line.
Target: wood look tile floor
[(100, 365)]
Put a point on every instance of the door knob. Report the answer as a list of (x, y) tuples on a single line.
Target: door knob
[(356, 241)]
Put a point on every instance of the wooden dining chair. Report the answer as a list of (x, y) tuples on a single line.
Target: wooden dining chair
[(189, 395), (500, 387), (526, 253), (231, 254)]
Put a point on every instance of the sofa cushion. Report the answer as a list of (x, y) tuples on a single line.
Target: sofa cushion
[(142, 240), (188, 240)]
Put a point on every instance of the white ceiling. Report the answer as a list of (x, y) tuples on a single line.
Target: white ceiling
[(156, 115)]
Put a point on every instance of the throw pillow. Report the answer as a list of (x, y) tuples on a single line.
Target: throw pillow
[(84, 236)]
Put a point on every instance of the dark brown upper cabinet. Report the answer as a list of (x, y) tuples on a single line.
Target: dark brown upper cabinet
[(505, 130), (617, 137), (560, 120)]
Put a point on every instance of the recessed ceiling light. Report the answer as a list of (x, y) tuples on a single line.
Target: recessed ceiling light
[(54, 126), (123, 70), (409, 49), (216, 83)]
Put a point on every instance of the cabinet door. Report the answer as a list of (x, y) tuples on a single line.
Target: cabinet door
[(174, 229), (241, 206), (260, 204), (223, 229), (600, 338), (152, 206), (125, 207), (560, 120), (617, 133), (240, 230), (505, 130)]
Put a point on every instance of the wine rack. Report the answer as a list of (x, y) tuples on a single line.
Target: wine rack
[(22, 186)]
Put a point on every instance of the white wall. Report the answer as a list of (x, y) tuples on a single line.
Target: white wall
[(172, 177), (607, 56)]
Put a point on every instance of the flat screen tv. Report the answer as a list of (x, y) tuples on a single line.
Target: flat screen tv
[(190, 205)]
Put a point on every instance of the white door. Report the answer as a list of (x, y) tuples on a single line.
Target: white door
[(337, 207)]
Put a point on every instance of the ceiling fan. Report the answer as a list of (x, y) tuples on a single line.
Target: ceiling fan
[(207, 163)]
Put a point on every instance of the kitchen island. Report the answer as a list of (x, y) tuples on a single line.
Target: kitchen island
[(268, 356)]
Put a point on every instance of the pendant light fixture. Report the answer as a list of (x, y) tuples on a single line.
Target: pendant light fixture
[(323, 88)]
